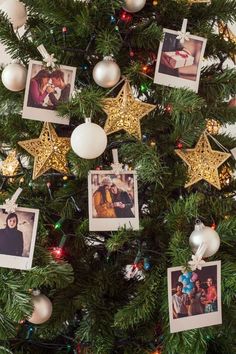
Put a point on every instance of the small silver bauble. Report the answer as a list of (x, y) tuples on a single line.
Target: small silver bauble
[(106, 73), (14, 77), (204, 234), (42, 308), (133, 5)]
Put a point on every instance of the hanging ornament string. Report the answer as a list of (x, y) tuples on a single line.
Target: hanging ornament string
[(118, 83), (47, 58), (116, 166), (10, 203), (222, 147), (197, 262), (183, 35)]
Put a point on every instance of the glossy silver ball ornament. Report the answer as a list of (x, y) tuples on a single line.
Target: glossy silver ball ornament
[(133, 5), (207, 235), (106, 73), (42, 308), (14, 77), (88, 140), (15, 11)]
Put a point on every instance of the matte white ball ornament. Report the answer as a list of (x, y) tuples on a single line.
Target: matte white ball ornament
[(14, 77), (106, 73), (42, 308), (88, 140), (15, 11), (204, 234), (133, 5)]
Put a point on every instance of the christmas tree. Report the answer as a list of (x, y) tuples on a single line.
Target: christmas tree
[(135, 69)]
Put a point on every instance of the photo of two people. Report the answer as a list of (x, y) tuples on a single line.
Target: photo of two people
[(17, 237), (113, 197), (193, 296), (45, 90)]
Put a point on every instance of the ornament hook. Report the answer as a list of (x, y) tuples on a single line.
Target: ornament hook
[(116, 166), (10, 203)]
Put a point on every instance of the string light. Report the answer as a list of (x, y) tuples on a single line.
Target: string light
[(125, 16), (57, 252)]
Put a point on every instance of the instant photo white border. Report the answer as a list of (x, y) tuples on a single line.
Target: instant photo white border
[(112, 224), (173, 81), (43, 114), (196, 321), (16, 262)]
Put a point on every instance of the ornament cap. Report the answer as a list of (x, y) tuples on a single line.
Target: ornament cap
[(199, 225), (109, 57), (88, 120), (36, 292)]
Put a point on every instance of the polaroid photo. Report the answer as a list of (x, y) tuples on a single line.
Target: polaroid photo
[(113, 200), (179, 65), (17, 237), (194, 297), (45, 90)]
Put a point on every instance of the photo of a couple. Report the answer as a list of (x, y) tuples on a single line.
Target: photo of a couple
[(114, 197), (17, 237), (113, 202), (194, 297), (45, 90)]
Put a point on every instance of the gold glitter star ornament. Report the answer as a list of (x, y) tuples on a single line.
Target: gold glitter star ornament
[(10, 165), (49, 151), (125, 112), (203, 162)]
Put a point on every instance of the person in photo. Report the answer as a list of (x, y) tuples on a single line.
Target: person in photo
[(102, 200), (122, 202), (211, 296), (57, 78), (11, 239), (38, 89), (197, 297), (180, 302)]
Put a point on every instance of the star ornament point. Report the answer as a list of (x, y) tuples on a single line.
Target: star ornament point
[(125, 112), (203, 162), (49, 151)]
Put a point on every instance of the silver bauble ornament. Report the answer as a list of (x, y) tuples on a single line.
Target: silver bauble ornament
[(106, 73), (42, 308), (88, 140), (15, 11), (204, 234), (14, 77), (133, 5)]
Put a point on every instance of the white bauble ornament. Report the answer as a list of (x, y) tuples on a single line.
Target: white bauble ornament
[(14, 77), (42, 308), (15, 11), (88, 140), (208, 236), (133, 5), (106, 73)]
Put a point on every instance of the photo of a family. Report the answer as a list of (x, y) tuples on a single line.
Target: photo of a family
[(179, 64), (45, 90), (193, 296), (113, 200), (17, 237)]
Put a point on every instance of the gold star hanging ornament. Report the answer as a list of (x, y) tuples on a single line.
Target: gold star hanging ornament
[(124, 112), (203, 162), (10, 165), (228, 36), (49, 151)]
